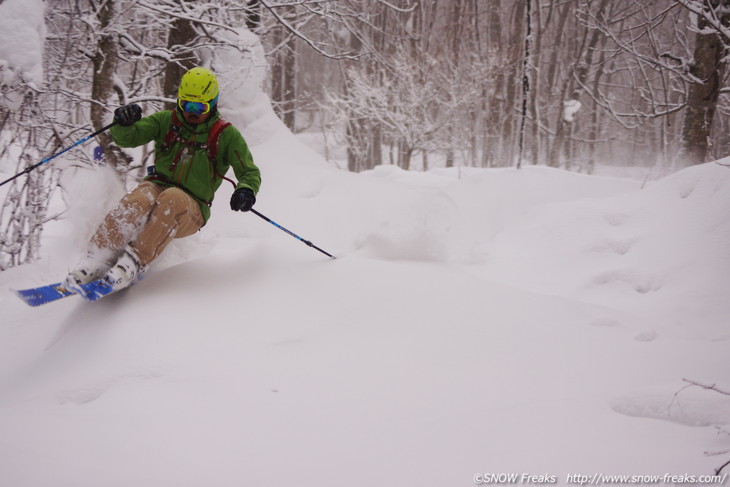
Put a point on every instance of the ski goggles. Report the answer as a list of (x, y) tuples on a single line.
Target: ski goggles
[(196, 107)]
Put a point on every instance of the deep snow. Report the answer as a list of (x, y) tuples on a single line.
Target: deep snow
[(475, 321)]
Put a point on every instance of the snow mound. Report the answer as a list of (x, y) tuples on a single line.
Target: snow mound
[(687, 406), (666, 247)]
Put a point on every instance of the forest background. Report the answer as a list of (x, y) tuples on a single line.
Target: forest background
[(414, 83)]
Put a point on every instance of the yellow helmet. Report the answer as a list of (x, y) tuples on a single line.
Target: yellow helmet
[(199, 85)]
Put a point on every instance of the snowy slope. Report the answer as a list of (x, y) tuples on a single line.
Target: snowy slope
[(475, 321)]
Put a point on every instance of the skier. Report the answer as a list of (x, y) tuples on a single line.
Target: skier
[(194, 148)]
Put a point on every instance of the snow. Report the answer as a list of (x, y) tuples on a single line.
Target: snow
[(570, 108), (21, 46), (475, 321)]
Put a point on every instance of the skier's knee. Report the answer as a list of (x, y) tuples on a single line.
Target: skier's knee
[(172, 198)]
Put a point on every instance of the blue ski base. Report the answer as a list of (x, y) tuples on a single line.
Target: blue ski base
[(38, 296)]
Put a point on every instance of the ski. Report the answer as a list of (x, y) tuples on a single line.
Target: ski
[(37, 296), (41, 295)]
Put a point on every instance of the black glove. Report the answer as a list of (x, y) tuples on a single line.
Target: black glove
[(243, 199), (128, 114)]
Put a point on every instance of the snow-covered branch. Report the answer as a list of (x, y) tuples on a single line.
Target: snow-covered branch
[(707, 387), (711, 15), (170, 12)]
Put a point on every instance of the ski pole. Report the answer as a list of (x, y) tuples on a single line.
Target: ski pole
[(291, 233), (48, 159)]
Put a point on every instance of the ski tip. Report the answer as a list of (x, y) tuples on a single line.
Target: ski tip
[(38, 296), (29, 300)]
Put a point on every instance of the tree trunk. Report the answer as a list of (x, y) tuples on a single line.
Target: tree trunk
[(492, 101), (181, 34), (525, 80), (405, 152), (104, 62), (534, 145), (354, 124), (283, 74), (456, 35), (376, 146), (511, 102), (702, 98), (289, 84)]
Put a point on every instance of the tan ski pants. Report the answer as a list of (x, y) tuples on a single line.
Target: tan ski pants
[(148, 218)]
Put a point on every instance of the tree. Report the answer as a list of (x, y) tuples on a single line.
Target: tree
[(525, 79), (345, 34), (25, 209), (283, 69), (673, 63), (707, 70), (411, 102), (104, 60), (585, 55)]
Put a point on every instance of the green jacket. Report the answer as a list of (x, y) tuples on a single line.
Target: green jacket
[(187, 167)]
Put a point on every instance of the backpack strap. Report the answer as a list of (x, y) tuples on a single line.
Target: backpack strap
[(214, 137), (173, 132)]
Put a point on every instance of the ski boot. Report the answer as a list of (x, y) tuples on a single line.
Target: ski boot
[(126, 271), (94, 265)]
